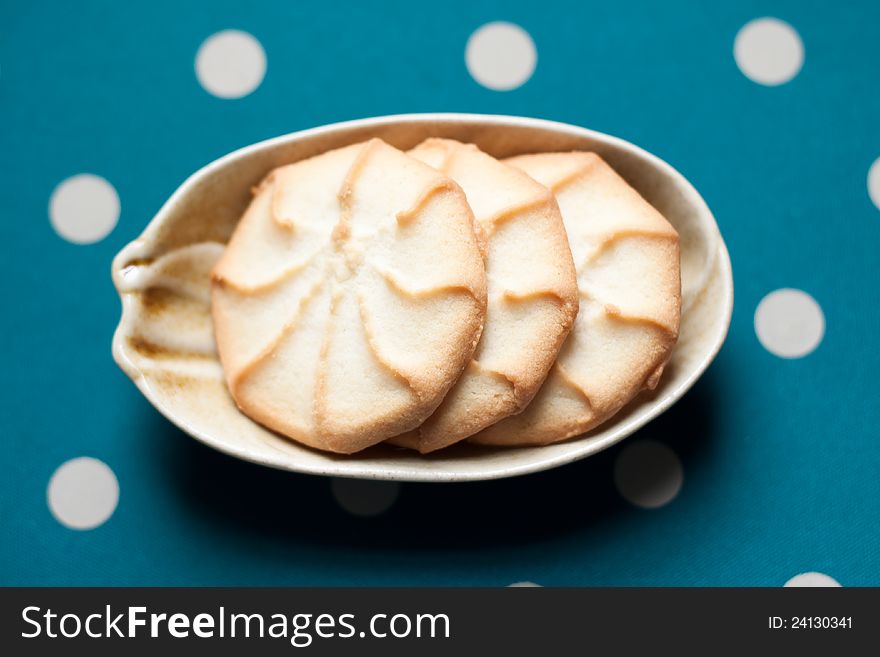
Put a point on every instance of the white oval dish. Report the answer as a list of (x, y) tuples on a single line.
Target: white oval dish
[(164, 340)]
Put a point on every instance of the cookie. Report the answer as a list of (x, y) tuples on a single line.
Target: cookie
[(532, 294), (627, 258), (350, 297)]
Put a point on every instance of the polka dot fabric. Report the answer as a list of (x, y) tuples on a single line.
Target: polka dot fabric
[(500, 56), (768, 51), (769, 108), (230, 64), (84, 209)]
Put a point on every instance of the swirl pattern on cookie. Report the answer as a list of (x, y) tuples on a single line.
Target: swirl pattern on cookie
[(532, 294), (349, 298), (628, 268)]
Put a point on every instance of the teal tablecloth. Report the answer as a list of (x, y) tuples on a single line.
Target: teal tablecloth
[(780, 457)]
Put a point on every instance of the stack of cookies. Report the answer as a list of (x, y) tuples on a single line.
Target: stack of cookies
[(441, 295)]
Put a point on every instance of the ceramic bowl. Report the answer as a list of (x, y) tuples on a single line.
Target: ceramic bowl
[(164, 340)]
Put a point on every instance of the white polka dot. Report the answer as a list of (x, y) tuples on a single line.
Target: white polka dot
[(768, 51), (363, 497), (812, 579), (523, 585), (501, 56), (874, 182), (83, 493), (84, 208), (648, 474), (230, 64), (789, 323)]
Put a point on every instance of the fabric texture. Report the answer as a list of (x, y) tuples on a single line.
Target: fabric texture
[(779, 457)]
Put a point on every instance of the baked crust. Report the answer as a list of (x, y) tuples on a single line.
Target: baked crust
[(350, 297), (627, 258), (532, 294)]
